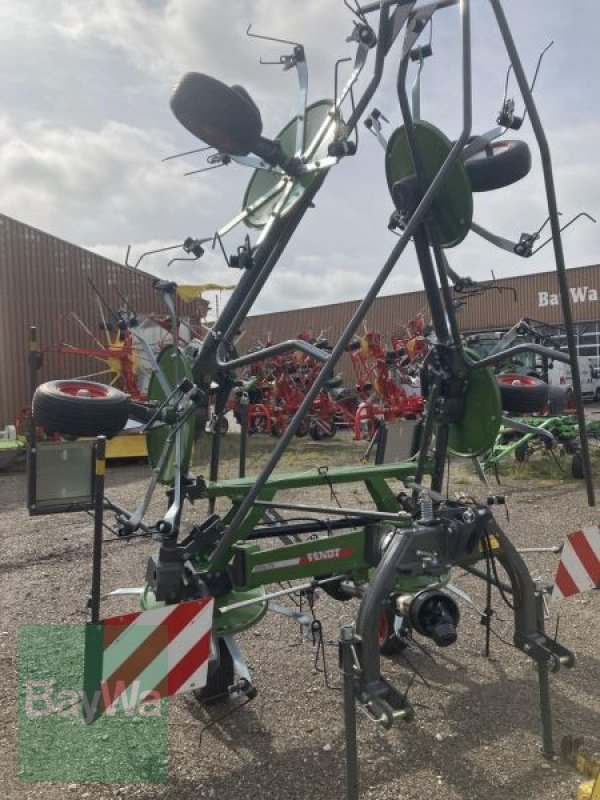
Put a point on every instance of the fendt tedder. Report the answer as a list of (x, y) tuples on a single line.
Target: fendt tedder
[(398, 554)]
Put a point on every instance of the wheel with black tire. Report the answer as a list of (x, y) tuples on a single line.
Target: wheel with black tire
[(558, 398), (321, 429), (303, 428), (522, 394), (80, 408), (499, 164), (334, 589), (521, 453), (577, 470), (220, 677)]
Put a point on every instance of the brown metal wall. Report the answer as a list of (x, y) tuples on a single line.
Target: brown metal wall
[(490, 311), (43, 278)]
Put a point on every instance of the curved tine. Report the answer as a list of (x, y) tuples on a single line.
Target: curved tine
[(564, 228), (270, 38), (188, 153), (94, 374), (206, 169)]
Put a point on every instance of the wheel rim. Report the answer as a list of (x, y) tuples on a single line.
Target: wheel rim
[(383, 629), (261, 181), (496, 148), (83, 389), (517, 380), (174, 365)]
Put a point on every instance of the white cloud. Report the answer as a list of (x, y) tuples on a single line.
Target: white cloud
[(85, 99), (86, 184)]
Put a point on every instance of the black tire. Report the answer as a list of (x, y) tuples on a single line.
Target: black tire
[(577, 467), (320, 429), (220, 677), (558, 398), (80, 408), (521, 453), (334, 590), (334, 383), (522, 394), (500, 164), (303, 428)]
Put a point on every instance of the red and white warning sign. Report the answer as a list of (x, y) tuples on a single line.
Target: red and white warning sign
[(579, 567), (155, 653)]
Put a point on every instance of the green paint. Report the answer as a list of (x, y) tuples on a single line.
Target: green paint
[(452, 208), (55, 744), (174, 366), (476, 432), (342, 553)]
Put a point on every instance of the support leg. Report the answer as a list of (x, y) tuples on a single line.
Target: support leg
[(352, 780)]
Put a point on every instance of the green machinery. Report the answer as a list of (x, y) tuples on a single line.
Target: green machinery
[(396, 554)]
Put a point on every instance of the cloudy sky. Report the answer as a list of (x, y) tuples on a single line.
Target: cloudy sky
[(85, 122)]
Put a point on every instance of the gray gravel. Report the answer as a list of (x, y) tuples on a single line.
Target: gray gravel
[(476, 733)]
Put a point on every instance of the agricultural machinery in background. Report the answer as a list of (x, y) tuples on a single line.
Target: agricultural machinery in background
[(271, 392), (398, 553), (532, 401), (387, 379), (386, 387)]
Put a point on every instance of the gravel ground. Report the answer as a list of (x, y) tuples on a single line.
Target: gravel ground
[(476, 732)]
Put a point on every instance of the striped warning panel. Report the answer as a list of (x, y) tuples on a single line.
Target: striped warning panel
[(147, 655), (579, 567)]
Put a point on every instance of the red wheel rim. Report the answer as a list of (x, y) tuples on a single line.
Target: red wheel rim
[(383, 629), (517, 380), (82, 389)]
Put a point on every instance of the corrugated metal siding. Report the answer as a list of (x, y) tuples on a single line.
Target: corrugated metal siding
[(41, 279), (490, 311)]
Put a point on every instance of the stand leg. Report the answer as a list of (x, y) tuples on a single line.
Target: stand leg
[(100, 466), (346, 642), (243, 439), (546, 711), (544, 683)]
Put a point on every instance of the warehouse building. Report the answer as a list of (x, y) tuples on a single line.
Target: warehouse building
[(42, 279), (535, 296)]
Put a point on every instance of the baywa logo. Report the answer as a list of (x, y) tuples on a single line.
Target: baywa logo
[(42, 699), (72, 729)]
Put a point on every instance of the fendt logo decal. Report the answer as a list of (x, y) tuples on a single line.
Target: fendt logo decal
[(327, 555), (579, 294), (335, 554)]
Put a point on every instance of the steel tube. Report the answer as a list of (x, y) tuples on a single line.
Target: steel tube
[(559, 257)]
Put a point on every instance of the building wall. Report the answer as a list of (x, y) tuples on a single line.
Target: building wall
[(534, 296), (43, 278)]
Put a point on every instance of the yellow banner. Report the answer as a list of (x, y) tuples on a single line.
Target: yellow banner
[(190, 292)]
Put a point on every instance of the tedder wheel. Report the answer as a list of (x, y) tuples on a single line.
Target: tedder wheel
[(220, 677), (522, 393), (577, 467), (80, 408), (499, 164)]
